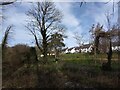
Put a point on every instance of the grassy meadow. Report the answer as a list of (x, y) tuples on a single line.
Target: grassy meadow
[(70, 71)]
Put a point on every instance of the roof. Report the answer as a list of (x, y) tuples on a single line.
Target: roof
[(85, 46), (116, 44)]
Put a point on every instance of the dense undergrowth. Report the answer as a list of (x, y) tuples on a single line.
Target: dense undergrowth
[(71, 71)]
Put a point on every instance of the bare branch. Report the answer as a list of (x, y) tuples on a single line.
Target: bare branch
[(81, 3), (6, 3), (35, 36), (6, 36), (107, 2)]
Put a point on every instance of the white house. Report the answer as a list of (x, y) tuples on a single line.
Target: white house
[(72, 50), (86, 48), (83, 49), (116, 48), (66, 51)]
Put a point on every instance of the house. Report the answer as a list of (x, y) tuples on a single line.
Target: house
[(77, 49), (65, 50), (72, 50), (83, 49), (86, 48), (116, 46)]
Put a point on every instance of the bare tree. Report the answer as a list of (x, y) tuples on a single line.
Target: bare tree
[(113, 31), (45, 17), (97, 32), (108, 35), (5, 39), (8, 29), (79, 38)]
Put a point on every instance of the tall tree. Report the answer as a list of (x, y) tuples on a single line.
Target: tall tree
[(56, 43), (8, 29), (99, 33), (96, 32), (45, 17), (109, 35)]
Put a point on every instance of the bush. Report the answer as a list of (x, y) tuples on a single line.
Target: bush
[(17, 56)]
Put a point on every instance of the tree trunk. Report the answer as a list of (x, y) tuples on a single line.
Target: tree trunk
[(45, 50), (96, 44), (109, 54), (107, 66), (56, 55)]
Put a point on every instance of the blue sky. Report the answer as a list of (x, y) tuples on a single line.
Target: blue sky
[(75, 19)]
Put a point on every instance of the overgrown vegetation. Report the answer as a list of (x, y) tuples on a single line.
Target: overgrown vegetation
[(71, 71)]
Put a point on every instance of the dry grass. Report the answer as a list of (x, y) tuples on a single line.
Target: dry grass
[(65, 74)]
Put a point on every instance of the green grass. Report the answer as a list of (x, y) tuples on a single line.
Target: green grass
[(84, 56), (85, 70), (77, 56)]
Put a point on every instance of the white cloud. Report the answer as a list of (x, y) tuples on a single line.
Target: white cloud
[(98, 14), (68, 17), (18, 19), (70, 21), (106, 9)]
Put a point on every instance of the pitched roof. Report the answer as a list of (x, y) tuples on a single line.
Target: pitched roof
[(85, 46)]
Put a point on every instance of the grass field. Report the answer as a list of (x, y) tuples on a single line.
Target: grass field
[(71, 71)]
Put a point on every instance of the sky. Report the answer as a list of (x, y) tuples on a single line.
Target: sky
[(76, 19)]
